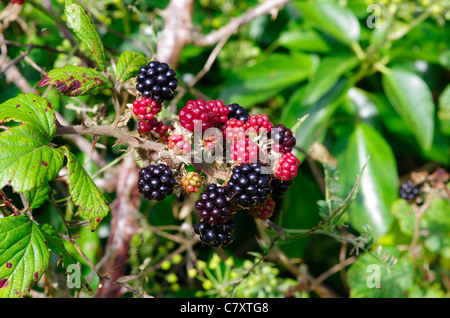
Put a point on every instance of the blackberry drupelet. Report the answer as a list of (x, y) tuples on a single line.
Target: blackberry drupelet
[(279, 187), (216, 235), (248, 186), (238, 112), (408, 190), (283, 139), (214, 205), (156, 182), (157, 81)]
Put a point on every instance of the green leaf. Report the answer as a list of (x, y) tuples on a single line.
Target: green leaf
[(23, 256), (304, 40), (330, 69), (129, 64), (395, 281), (319, 114), (265, 79), (444, 111), (30, 109), (26, 159), (76, 81), (85, 193), (37, 196), (335, 20), (413, 101), (56, 245), (379, 183), (82, 25)]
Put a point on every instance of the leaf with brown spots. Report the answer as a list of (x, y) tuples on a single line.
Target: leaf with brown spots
[(76, 81), (22, 151), (24, 256), (30, 109), (81, 24), (85, 193)]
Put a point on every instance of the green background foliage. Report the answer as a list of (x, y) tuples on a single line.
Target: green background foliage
[(374, 96)]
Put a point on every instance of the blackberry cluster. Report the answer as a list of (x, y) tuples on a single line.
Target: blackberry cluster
[(408, 190), (156, 182), (248, 186), (283, 139), (238, 112), (216, 235), (157, 81), (214, 205)]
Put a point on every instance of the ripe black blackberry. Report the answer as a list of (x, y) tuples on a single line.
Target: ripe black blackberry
[(157, 81), (283, 139), (214, 205), (248, 185), (279, 187), (238, 112), (156, 182), (217, 235), (408, 190)]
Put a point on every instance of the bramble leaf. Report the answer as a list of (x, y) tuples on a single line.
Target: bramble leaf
[(81, 24), (30, 109), (37, 196), (85, 193), (129, 64), (23, 256), (27, 160), (76, 81)]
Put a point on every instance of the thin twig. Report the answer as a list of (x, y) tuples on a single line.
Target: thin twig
[(15, 61)]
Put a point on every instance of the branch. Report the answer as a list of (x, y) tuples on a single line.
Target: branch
[(268, 6)]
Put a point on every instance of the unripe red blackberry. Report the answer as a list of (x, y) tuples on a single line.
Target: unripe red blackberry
[(264, 210), (156, 182), (214, 205), (179, 144), (283, 139), (248, 185), (157, 81), (233, 130), (145, 108), (286, 167), (244, 151), (155, 126), (216, 235), (203, 114), (258, 122)]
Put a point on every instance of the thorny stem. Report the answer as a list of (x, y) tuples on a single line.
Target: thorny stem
[(7, 202)]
